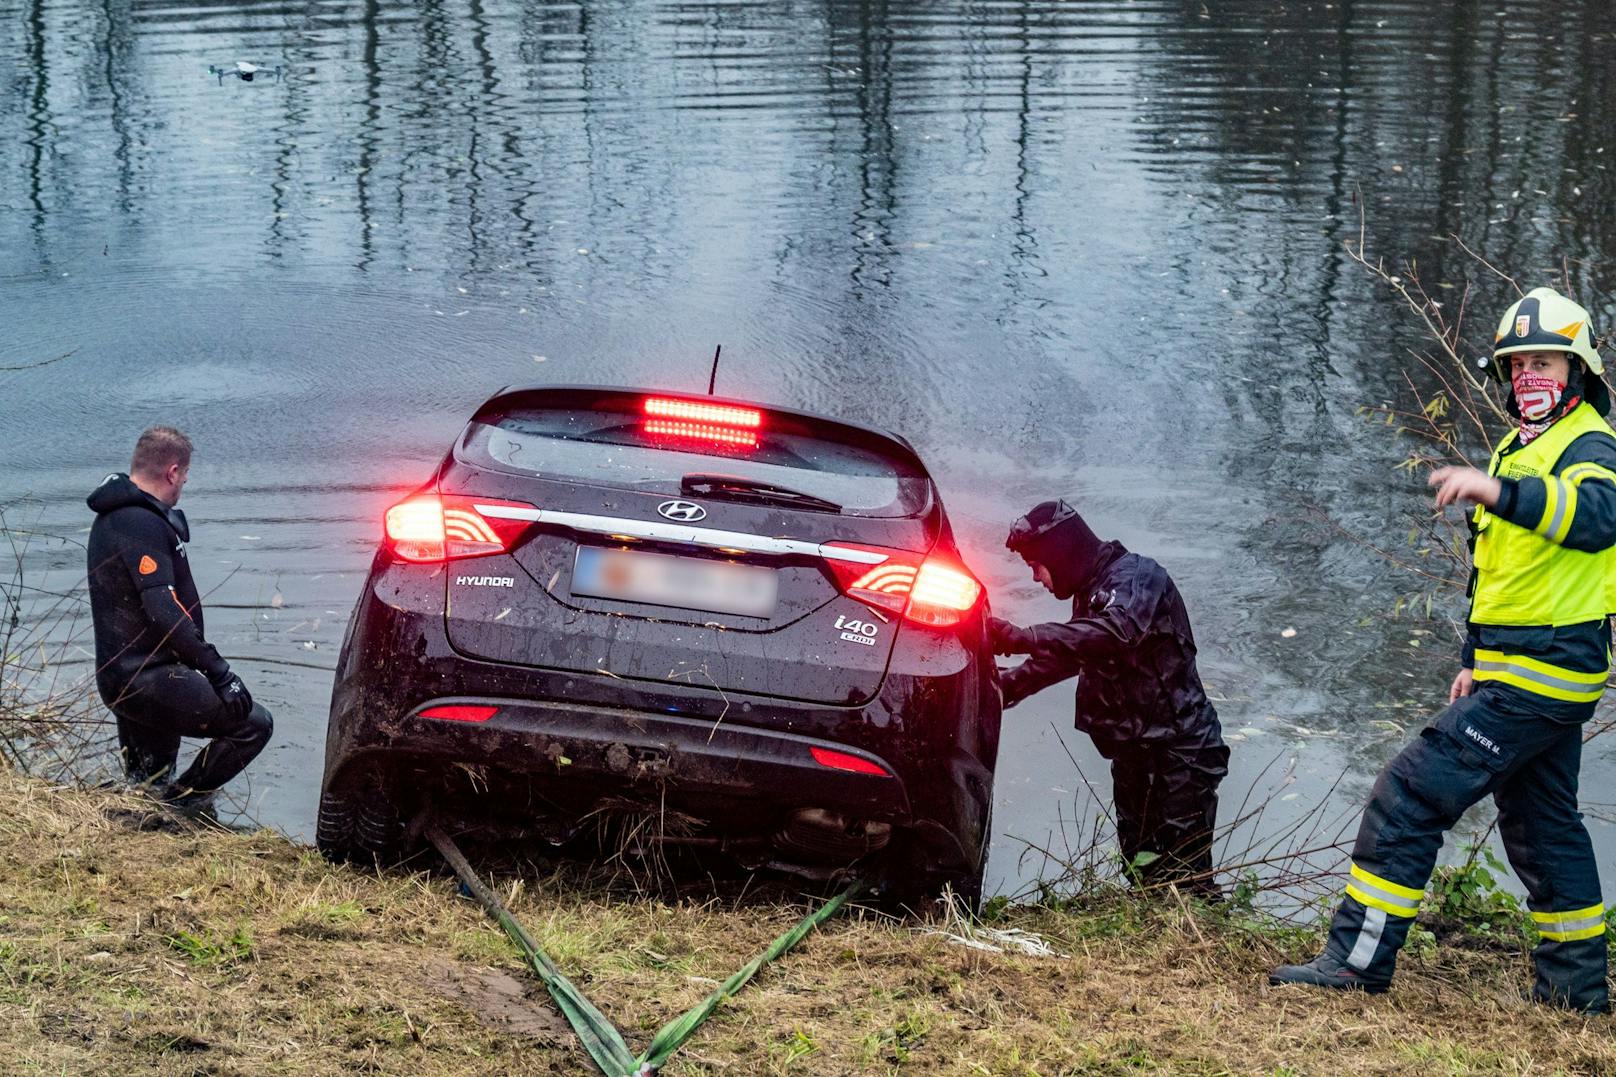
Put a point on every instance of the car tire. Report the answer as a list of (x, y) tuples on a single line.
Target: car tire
[(968, 886), (359, 825), (906, 887), (924, 890)]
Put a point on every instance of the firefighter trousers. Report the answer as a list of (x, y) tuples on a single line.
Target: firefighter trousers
[(1495, 741)]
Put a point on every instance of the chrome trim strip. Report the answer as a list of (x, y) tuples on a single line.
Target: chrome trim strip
[(668, 532)]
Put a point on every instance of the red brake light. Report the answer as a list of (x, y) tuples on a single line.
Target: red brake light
[(723, 423), (432, 527), (415, 529), (943, 593), (936, 591), (825, 757), (460, 712)]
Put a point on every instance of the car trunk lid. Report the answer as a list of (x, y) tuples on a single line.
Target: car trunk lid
[(621, 567)]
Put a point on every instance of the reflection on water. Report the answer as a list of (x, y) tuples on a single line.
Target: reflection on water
[(1091, 249)]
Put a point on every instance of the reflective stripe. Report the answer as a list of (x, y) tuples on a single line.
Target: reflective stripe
[(1554, 505), (1577, 473), (1386, 885), (1363, 951), (1571, 926), (1570, 916), (1531, 675), (1375, 901), (695, 536), (1377, 893), (1568, 512)]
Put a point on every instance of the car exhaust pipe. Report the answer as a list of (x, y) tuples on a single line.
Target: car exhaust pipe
[(821, 834)]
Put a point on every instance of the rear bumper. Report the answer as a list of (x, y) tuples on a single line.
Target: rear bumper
[(566, 743)]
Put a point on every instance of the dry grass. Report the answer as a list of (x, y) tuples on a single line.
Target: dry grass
[(124, 951)]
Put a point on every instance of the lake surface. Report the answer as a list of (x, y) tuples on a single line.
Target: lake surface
[(1090, 249)]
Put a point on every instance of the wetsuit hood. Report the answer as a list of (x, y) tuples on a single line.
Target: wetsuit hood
[(1052, 534), (118, 491)]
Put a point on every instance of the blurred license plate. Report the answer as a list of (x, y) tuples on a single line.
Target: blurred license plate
[(665, 580)]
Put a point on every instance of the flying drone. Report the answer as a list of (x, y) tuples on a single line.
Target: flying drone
[(244, 71)]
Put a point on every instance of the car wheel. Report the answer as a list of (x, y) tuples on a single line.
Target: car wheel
[(359, 825), (907, 883), (909, 886), (969, 885)]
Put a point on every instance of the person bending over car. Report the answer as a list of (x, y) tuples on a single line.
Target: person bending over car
[(1139, 696), (155, 669)]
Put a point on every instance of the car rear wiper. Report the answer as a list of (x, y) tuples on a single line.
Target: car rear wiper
[(736, 488)]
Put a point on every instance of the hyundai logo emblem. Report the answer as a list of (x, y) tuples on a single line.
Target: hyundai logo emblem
[(687, 512)]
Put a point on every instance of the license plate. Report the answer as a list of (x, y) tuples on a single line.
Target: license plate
[(666, 580)]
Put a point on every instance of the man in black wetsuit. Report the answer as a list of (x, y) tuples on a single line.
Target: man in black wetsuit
[(1139, 696), (156, 671)]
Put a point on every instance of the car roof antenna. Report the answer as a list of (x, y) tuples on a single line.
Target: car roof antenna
[(712, 379)]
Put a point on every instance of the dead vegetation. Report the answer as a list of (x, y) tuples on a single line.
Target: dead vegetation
[(52, 723), (128, 951)]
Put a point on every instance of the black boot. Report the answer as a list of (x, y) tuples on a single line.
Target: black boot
[(1326, 971), (196, 804)]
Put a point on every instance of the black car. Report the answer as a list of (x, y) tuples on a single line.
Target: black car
[(748, 627)]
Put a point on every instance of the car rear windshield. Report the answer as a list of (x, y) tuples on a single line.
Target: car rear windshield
[(609, 446)]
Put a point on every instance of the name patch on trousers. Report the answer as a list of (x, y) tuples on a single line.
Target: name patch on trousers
[(1481, 739)]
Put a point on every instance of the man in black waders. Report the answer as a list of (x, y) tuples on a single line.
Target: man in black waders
[(156, 672), (1534, 665), (1139, 696)]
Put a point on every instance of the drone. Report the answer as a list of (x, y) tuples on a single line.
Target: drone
[(244, 71)]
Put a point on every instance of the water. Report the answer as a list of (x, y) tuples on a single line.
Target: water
[(1091, 249)]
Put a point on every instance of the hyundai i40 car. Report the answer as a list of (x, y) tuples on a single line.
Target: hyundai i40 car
[(750, 625)]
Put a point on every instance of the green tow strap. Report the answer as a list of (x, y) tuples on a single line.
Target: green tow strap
[(600, 1037), (675, 1032)]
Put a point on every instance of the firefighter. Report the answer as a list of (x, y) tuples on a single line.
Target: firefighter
[(1534, 664), (155, 670), (1139, 696)]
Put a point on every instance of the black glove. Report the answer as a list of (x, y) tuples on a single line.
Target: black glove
[(1008, 639), (238, 702), (1005, 683)]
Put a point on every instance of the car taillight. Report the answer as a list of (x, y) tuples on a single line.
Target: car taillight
[(441, 527), (936, 590), (724, 424), (943, 594)]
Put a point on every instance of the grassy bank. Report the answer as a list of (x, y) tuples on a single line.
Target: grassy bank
[(127, 951)]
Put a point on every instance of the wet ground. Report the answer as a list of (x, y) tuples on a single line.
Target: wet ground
[(1085, 249)]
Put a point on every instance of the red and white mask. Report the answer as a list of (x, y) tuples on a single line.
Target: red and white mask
[(1536, 395)]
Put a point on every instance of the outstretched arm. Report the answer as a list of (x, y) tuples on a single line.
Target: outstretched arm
[(1059, 649), (1575, 508)]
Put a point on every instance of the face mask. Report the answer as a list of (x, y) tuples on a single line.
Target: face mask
[(1536, 394)]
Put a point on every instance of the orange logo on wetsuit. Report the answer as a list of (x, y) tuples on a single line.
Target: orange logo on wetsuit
[(147, 565)]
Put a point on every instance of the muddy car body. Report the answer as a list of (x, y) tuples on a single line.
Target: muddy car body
[(748, 625)]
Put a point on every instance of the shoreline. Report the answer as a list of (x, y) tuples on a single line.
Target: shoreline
[(131, 951)]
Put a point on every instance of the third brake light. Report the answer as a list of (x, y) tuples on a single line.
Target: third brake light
[(722, 423)]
